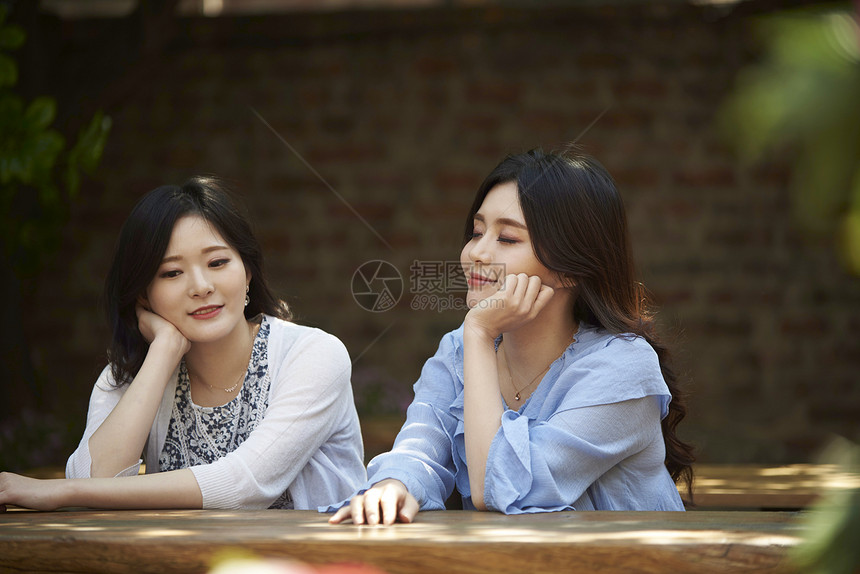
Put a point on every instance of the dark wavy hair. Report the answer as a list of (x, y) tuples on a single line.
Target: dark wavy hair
[(578, 228), (141, 246)]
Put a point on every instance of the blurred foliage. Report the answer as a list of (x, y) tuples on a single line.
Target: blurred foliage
[(38, 174), (833, 524), (804, 95)]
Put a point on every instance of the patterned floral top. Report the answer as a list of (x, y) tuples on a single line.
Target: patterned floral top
[(201, 435)]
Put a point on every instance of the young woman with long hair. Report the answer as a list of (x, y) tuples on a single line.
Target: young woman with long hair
[(229, 403), (555, 393)]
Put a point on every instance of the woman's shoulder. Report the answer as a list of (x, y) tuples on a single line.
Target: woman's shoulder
[(628, 349), (285, 335), (106, 381), (602, 367)]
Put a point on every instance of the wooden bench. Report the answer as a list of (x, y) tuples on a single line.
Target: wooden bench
[(751, 486), (450, 541)]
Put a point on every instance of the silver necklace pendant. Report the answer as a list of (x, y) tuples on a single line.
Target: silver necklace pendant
[(233, 388)]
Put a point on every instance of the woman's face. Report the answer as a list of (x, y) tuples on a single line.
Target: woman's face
[(200, 285), (500, 246)]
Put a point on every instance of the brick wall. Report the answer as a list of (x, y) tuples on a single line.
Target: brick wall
[(402, 114)]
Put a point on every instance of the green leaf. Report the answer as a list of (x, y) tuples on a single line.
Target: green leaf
[(91, 142), (851, 232), (8, 71), (41, 113), (851, 241), (87, 151), (12, 37), (46, 147)]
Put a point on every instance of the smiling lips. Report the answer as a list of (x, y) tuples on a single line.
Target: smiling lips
[(476, 280), (206, 312)]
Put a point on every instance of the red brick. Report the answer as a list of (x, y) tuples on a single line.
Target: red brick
[(275, 244), (740, 237), (456, 181), (368, 210), (641, 177), (434, 65), (448, 210), (344, 153), (303, 273), (706, 177), (723, 297), (771, 175), (545, 121), (625, 118), (399, 240), (673, 297), (481, 123), (803, 326), (381, 179), (683, 208), (600, 61), (640, 88), (505, 93), (581, 88)]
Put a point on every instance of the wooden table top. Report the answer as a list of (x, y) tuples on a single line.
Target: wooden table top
[(446, 541)]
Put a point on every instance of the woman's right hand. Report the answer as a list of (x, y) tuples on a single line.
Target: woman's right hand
[(153, 326), (388, 499), (30, 492), (518, 301)]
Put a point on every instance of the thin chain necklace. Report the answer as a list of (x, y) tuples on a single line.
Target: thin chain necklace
[(239, 381), (241, 378), (510, 372)]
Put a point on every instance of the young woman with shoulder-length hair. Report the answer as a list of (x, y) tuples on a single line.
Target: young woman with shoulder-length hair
[(229, 403), (555, 393)]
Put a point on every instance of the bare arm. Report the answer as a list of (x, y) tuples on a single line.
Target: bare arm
[(518, 302), (118, 442), (482, 405), (174, 489)]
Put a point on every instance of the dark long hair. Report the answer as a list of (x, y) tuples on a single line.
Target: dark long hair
[(578, 228), (141, 246)]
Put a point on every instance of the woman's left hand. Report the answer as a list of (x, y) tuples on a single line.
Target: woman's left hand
[(30, 492), (520, 299)]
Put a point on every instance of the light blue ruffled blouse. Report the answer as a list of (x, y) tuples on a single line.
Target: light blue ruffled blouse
[(588, 438)]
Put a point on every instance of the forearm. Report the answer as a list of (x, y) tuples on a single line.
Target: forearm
[(118, 442), (482, 406), (175, 489)]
